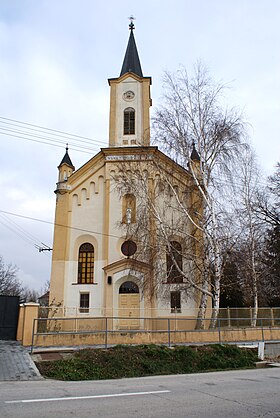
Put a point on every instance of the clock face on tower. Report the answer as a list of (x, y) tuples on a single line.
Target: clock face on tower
[(129, 95)]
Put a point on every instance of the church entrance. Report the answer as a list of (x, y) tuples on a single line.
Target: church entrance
[(129, 306)]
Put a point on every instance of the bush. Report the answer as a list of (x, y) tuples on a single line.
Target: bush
[(146, 360)]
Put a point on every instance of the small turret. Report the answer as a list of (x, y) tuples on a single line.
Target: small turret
[(194, 164), (65, 169), (194, 155)]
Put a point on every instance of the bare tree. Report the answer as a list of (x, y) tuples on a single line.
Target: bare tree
[(9, 282), (10, 285), (268, 210), (205, 139), (268, 204), (28, 295), (248, 230), (193, 114)]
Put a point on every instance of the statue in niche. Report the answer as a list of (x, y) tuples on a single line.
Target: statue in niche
[(128, 215)]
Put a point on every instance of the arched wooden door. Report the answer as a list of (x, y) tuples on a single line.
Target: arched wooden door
[(129, 306)]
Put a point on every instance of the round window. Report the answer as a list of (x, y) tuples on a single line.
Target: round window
[(128, 248)]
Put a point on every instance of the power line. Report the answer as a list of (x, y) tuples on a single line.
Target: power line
[(56, 140), (47, 136), (61, 225), (20, 228), (52, 130), (19, 232), (46, 143), (22, 130)]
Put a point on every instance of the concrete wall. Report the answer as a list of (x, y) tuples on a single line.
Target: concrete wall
[(272, 350), (27, 313), (125, 337)]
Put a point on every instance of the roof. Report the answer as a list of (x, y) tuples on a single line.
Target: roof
[(66, 160), (131, 62), (194, 155)]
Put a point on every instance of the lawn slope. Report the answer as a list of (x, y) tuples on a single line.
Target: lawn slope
[(146, 360)]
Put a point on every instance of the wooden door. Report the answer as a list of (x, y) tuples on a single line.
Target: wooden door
[(129, 311)]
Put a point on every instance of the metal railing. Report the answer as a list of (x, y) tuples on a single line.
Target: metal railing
[(169, 329), (231, 314)]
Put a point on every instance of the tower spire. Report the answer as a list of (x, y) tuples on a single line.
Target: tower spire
[(194, 155), (131, 62), (66, 159)]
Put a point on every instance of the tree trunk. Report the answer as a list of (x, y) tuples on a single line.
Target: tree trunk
[(255, 287), (215, 309), (256, 305), (200, 324)]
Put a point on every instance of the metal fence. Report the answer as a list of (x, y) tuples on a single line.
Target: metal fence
[(105, 330), (271, 316)]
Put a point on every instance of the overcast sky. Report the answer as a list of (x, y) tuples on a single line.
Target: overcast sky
[(55, 59)]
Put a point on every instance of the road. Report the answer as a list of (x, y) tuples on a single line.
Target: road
[(242, 394)]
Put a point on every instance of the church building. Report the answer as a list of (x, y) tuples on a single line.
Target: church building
[(107, 258)]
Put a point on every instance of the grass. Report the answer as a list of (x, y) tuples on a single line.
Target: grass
[(147, 360)]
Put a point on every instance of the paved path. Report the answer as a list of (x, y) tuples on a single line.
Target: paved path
[(16, 363)]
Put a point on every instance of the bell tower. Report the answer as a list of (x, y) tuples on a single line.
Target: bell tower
[(130, 101)]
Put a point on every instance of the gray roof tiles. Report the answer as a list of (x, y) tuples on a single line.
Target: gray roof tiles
[(131, 62)]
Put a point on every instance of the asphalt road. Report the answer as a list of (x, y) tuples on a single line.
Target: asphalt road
[(242, 394)]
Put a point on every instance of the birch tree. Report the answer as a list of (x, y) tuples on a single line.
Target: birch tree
[(193, 113), (205, 138)]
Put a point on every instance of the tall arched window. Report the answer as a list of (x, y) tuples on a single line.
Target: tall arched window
[(129, 209), (86, 263), (173, 275), (129, 121)]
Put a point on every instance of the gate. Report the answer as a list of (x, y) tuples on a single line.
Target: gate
[(9, 306)]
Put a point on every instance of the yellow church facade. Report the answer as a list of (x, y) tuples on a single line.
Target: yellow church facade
[(108, 259)]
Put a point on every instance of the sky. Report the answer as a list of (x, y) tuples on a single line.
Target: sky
[(55, 59)]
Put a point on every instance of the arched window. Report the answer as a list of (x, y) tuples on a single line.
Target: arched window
[(129, 121), (129, 209), (86, 263), (129, 287), (173, 275)]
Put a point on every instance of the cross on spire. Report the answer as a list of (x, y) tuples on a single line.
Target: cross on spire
[(131, 25)]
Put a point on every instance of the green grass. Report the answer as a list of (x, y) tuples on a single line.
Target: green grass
[(146, 360)]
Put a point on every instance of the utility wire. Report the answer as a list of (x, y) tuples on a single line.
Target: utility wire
[(61, 225), (46, 143), (30, 236), (23, 131), (35, 133), (17, 230), (20, 228), (59, 141), (52, 130)]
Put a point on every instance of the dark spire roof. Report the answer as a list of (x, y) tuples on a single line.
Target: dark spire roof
[(194, 155), (131, 62), (66, 159)]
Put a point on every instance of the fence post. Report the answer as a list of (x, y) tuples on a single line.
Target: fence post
[(219, 330), (262, 330), (106, 332), (272, 317), (169, 340), (33, 331), (251, 317), (228, 316)]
